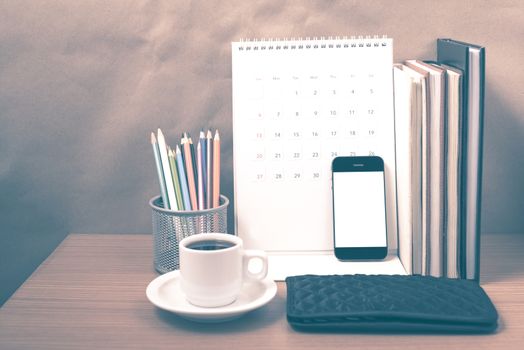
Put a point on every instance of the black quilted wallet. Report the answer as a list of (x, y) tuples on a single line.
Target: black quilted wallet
[(380, 303)]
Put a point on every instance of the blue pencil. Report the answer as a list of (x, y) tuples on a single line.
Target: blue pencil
[(160, 172), (183, 179)]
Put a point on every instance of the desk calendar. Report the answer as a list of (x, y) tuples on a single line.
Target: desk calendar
[(297, 104)]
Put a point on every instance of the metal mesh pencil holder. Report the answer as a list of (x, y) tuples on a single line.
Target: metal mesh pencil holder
[(170, 227)]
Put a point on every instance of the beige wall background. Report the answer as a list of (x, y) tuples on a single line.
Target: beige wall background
[(83, 83)]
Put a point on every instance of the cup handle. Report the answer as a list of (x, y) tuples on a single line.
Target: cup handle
[(255, 254)]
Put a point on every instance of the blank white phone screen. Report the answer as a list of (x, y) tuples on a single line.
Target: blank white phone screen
[(360, 210)]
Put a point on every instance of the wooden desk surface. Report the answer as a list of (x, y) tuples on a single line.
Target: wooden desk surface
[(90, 294)]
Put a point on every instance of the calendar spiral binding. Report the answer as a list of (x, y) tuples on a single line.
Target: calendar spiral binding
[(322, 42)]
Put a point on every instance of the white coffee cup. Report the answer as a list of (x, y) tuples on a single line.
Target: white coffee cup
[(213, 267)]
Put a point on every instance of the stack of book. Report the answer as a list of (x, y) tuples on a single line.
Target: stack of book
[(439, 108)]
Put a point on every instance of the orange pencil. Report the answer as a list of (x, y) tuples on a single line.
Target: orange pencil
[(216, 170), (188, 160)]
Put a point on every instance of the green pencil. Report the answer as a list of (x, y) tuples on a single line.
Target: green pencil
[(176, 180)]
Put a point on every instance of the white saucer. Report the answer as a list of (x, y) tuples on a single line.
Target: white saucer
[(165, 293)]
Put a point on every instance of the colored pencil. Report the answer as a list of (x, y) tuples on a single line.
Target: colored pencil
[(188, 160), (160, 172), (202, 140), (176, 180), (183, 179), (167, 171), (200, 178), (216, 170), (193, 158), (209, 170)]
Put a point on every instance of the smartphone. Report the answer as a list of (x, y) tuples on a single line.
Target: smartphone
[(359, 208)]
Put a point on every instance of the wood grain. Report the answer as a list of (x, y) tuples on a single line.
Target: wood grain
[(90, 294)]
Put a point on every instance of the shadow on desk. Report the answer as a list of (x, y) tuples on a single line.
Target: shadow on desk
[(257, 319), (501, 259)]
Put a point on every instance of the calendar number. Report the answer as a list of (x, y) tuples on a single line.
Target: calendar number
[(258, 174), (279, 176), (313, 174)]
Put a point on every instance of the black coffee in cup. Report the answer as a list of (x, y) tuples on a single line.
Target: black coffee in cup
[(210, 245), (213, 267)]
